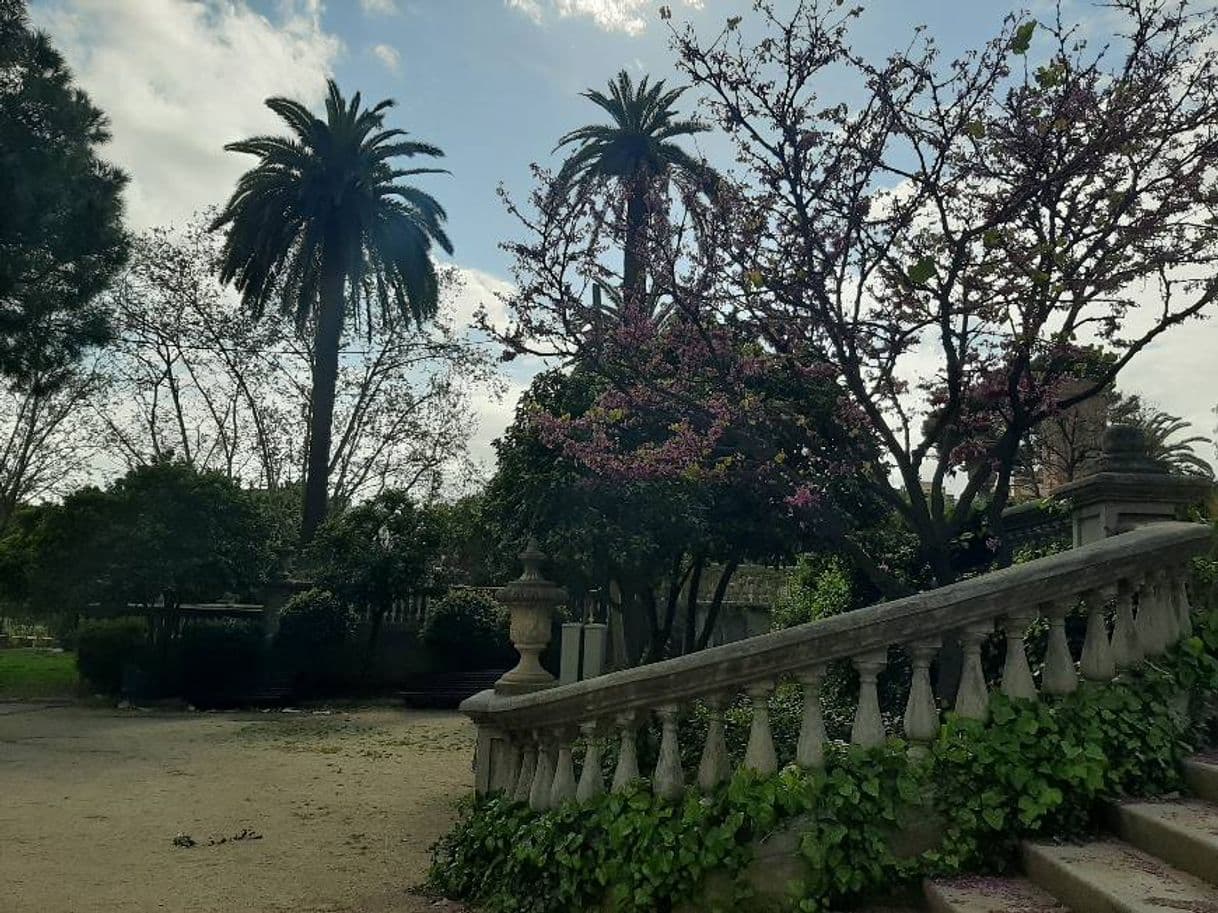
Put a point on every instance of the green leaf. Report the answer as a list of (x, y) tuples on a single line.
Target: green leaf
[(1023, 38), (922, 271)]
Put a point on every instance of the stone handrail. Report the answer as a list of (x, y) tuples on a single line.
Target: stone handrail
[(524, 741)]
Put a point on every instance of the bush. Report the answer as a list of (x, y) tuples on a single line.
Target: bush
[(466, 630), (1038, 770), (819, 588), (314, 628), (220, 660), (105, 647)]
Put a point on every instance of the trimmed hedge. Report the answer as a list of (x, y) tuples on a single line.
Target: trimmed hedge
[(467, 631), (106, 647)]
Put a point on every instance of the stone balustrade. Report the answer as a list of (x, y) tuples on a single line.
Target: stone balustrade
[(525, 741)]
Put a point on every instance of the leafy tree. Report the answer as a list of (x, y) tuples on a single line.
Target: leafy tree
[(195, 375), (376, 553), (323, 227), (61, 234), (628, 535), (163, 532), (638, 152)]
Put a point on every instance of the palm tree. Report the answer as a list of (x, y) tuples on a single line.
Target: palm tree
[(322, 226), (637, 151), (1175, 454)]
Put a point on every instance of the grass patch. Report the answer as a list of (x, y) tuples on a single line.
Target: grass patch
[(26, 673)]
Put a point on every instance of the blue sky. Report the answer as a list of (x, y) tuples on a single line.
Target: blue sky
[(493, 82), (495, 87)]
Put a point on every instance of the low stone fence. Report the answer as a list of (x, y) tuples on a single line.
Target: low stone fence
[(525, 740)]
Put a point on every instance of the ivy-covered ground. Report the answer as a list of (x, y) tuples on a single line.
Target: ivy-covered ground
[(1038, 769)]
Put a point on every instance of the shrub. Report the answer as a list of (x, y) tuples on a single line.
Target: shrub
[(314, 628), (106, 647), (466, 630), (819, 588), (219, 660), (1038, 770)]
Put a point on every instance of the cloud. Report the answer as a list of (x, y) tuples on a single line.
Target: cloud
[(494, 408), (378, 7), (179, 80), (388, 55), (611, 15)]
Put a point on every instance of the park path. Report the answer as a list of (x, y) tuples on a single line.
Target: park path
[(345, 806)]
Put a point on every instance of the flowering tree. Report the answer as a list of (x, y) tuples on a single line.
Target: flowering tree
[(942, 247)]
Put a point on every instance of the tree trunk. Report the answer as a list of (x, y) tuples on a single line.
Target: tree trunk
[(633, 277), (712, 613), (328, 333), (691, 605)]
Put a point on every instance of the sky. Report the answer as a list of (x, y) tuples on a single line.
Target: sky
[(494, 83)]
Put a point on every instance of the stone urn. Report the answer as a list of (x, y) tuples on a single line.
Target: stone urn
[(530, 601)]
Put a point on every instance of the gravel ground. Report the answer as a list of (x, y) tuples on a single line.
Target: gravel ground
[(335, 812)]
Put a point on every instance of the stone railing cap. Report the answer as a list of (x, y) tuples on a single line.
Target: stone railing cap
[(768, 656)]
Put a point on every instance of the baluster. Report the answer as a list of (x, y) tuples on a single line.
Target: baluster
[(507, 771), (668, 782), (715, 766), (810, 751), (1059, 676), (1184, 611), (528, 766), (868, 728), (1017, 680), (921, 721), (543, 778), (760, 756), (972, 698), (627, 770), (563, 788), (1126, 647), (1147, 620), (591, 780), (1097, 663), (1169, 618)]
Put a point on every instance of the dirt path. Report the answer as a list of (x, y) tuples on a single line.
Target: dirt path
[(347, 806)]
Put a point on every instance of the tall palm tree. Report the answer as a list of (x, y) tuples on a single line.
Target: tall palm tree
[(322, 226), (637, 151)]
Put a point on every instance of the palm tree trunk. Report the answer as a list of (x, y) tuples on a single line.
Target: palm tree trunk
[(328, 333), (633, 276)]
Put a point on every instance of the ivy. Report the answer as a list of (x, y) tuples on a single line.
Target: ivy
[(1037, 769)]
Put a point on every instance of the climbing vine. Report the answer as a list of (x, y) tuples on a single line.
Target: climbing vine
[(1037, 769)]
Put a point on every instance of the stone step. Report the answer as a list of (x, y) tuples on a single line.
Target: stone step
[(1108, 876), (1201, 774), (988, 894), (1181, 832)]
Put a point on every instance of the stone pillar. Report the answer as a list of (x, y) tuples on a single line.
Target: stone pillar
[(530, 601), (1129, 490), (595, 639), (568, 657)]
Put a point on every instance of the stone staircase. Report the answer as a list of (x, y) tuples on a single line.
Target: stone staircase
[(1162, 857)]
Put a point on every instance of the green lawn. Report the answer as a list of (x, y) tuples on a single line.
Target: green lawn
[(37, 673)]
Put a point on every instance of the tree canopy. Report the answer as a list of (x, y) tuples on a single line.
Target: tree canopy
[(61, 233), (944, 243), (161, 532)]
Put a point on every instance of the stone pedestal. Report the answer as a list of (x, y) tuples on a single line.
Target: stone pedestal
[(1129, 490)]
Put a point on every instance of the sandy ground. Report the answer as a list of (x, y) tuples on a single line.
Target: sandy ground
[(347, 806)]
